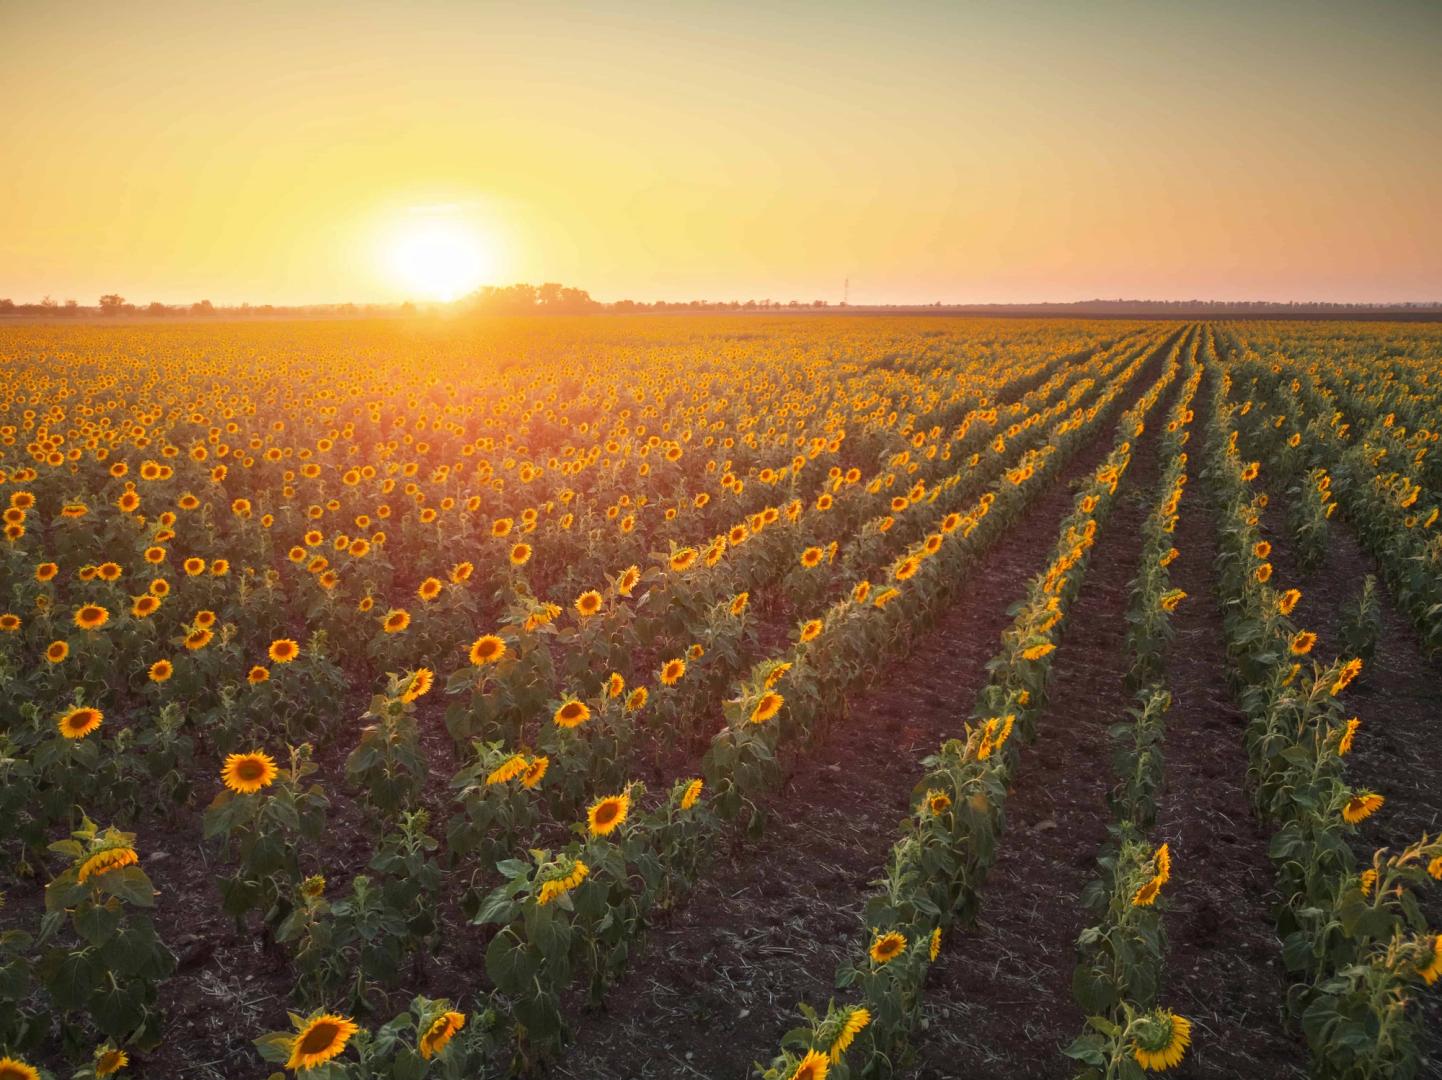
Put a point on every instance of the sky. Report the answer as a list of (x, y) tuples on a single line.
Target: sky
[(962, 152)]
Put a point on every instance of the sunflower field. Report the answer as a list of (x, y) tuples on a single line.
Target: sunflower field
[(720, 696)]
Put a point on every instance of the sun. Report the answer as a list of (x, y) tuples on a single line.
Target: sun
[(437, 259)]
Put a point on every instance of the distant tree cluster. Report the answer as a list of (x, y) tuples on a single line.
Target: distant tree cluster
[(521, 299)]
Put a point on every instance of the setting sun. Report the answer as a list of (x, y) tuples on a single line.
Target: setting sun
[(437, 260)]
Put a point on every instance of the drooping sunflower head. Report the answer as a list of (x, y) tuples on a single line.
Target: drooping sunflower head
[(1160, 1039), (606, 815), (1349, 671), (683, 559), (245, 774), (691, 794), (1360, 806), (320, 1039), (440, 1032), (79, 721), (113, 855), (420, 683), (854, 1022), (198, 638)]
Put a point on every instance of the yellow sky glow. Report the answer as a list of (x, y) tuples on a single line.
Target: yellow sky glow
[(1039, 149)]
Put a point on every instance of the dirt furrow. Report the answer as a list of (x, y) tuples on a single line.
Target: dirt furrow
[(712, 991), (999, 1000)]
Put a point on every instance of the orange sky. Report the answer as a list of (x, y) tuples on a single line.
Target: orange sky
[(279, 152)]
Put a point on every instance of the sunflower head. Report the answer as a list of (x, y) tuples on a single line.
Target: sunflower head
[(246, 774), (319, 1039), (1160, 1039), (606, 815), (572, 713), (886, 947), (80, 721)]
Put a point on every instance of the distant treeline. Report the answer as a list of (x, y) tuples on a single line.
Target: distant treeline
[(552, 298)]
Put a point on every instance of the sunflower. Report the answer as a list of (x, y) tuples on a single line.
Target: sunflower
[(1344, 743), (193, 566), (683, 559), (937, 802), (856, 1020), (1261, 549), (1263, 572), (283, 650), (812, 1067), (1435, 868), (441, 1031), (15, 1069), (886, 947), (535, 771), (1361, 806), (861, 591), (1147, 895), (615, 685), (636, 699), (501, 527), (507, 770), (520, 554), (934, 948), (106, 860), (1350, 670), (564, 884), (810, 630), (691, 794), (1162, 1039), (80, 721), (245, 774), (198, 638), (160, 671), (46, 571), (629, 579), (1288, 600), (811, 557), (320, 1039), (1433, 970), (487, 649), (672, 670), (1171, 599), (1163, 862), (108, 571), (767, 706), (395, 620), (738, 602), (91, 617), (1036, 652), (906, 568), (572, 713), (109, 1060), (429, 589), (421, 681), (57, 651), (1302, 642), (257, 674), (606, 815), (588, 603)]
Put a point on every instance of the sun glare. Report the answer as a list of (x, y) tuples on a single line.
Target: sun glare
[(438, 260)]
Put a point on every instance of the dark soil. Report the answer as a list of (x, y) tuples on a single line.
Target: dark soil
[(999, 999), (713, 990)]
